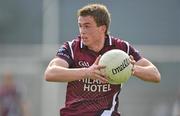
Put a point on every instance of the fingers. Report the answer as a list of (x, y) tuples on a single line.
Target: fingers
[(99, 67), (95, 72), (97, 59), (102, 79), (132, 71), (100, 73), (132, 59)]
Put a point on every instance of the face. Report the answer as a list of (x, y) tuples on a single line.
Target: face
[(89, 32)]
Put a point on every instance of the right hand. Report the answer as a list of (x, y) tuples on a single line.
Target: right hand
[(93, 72)]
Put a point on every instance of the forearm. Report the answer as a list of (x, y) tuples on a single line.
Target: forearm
[(61, 74), (147, 73)]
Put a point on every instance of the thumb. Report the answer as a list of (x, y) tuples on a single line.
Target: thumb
[(97, 59), (132, 60)]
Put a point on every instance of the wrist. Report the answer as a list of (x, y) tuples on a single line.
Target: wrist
[(85, 73), (134, 70)]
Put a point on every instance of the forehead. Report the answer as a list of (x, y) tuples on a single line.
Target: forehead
[(86, 20)]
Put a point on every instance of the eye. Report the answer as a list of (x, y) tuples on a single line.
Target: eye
[(86, 26), (79, 25)]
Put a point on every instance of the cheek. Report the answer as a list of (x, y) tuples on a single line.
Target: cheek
[(81, 30), (94, 31), (93, 34), (97, 32)]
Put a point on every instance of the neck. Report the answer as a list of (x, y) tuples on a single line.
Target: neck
[(98, 45)]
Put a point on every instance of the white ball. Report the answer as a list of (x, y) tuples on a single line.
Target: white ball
[(118, 66)]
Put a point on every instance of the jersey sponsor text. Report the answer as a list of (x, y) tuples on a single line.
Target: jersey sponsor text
[(95, 85)]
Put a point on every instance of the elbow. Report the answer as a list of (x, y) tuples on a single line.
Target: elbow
[(157, 78), (48, 76), (156, 75)]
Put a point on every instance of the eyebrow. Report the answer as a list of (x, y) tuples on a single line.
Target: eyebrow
[(84, 23)]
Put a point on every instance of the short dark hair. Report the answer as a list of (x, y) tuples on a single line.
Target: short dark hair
[(99, 12)]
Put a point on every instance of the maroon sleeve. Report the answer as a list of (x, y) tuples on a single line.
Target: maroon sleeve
[(128, 48), (64, 52), (135, 53)]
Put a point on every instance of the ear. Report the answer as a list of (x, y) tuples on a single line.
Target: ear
[(103, 28)]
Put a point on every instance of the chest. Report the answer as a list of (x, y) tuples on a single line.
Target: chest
[(86, 57)]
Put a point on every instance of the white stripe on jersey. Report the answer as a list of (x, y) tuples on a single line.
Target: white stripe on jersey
[(127, 44), (81, 44), (70, 46), (110, 40), (109, 112)]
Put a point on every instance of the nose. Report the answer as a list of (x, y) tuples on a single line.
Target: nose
[(82, 31)]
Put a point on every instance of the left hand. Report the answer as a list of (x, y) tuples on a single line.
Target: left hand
[(132, 61)]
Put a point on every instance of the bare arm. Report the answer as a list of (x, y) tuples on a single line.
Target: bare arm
[(58, 71), (145, 70)]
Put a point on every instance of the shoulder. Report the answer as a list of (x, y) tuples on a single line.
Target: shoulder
[(126, 46), (67, 50), (118, 40), (73, 43), (119, 43)]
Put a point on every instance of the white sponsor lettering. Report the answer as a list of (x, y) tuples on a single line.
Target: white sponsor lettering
[(97, 88), (83, 64), (95, 85), (90, 81)]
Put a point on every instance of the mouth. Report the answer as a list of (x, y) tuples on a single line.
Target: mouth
[(84, 38)]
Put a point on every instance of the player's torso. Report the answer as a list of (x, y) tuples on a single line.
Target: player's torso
[(87, 92), (83, 57)]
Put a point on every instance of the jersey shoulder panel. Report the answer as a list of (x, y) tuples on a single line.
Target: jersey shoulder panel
[(66, 50), (126, 47)]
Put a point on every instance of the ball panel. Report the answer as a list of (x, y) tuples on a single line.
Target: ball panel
[(118, 67)]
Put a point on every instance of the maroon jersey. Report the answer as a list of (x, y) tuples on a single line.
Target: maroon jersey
[(88, 97)]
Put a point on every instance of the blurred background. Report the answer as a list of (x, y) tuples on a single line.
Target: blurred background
[(32, 30)]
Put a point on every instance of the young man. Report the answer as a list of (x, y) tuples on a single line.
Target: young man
[(76, 62)]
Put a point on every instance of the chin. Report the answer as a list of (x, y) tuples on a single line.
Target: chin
[(85, 43)]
